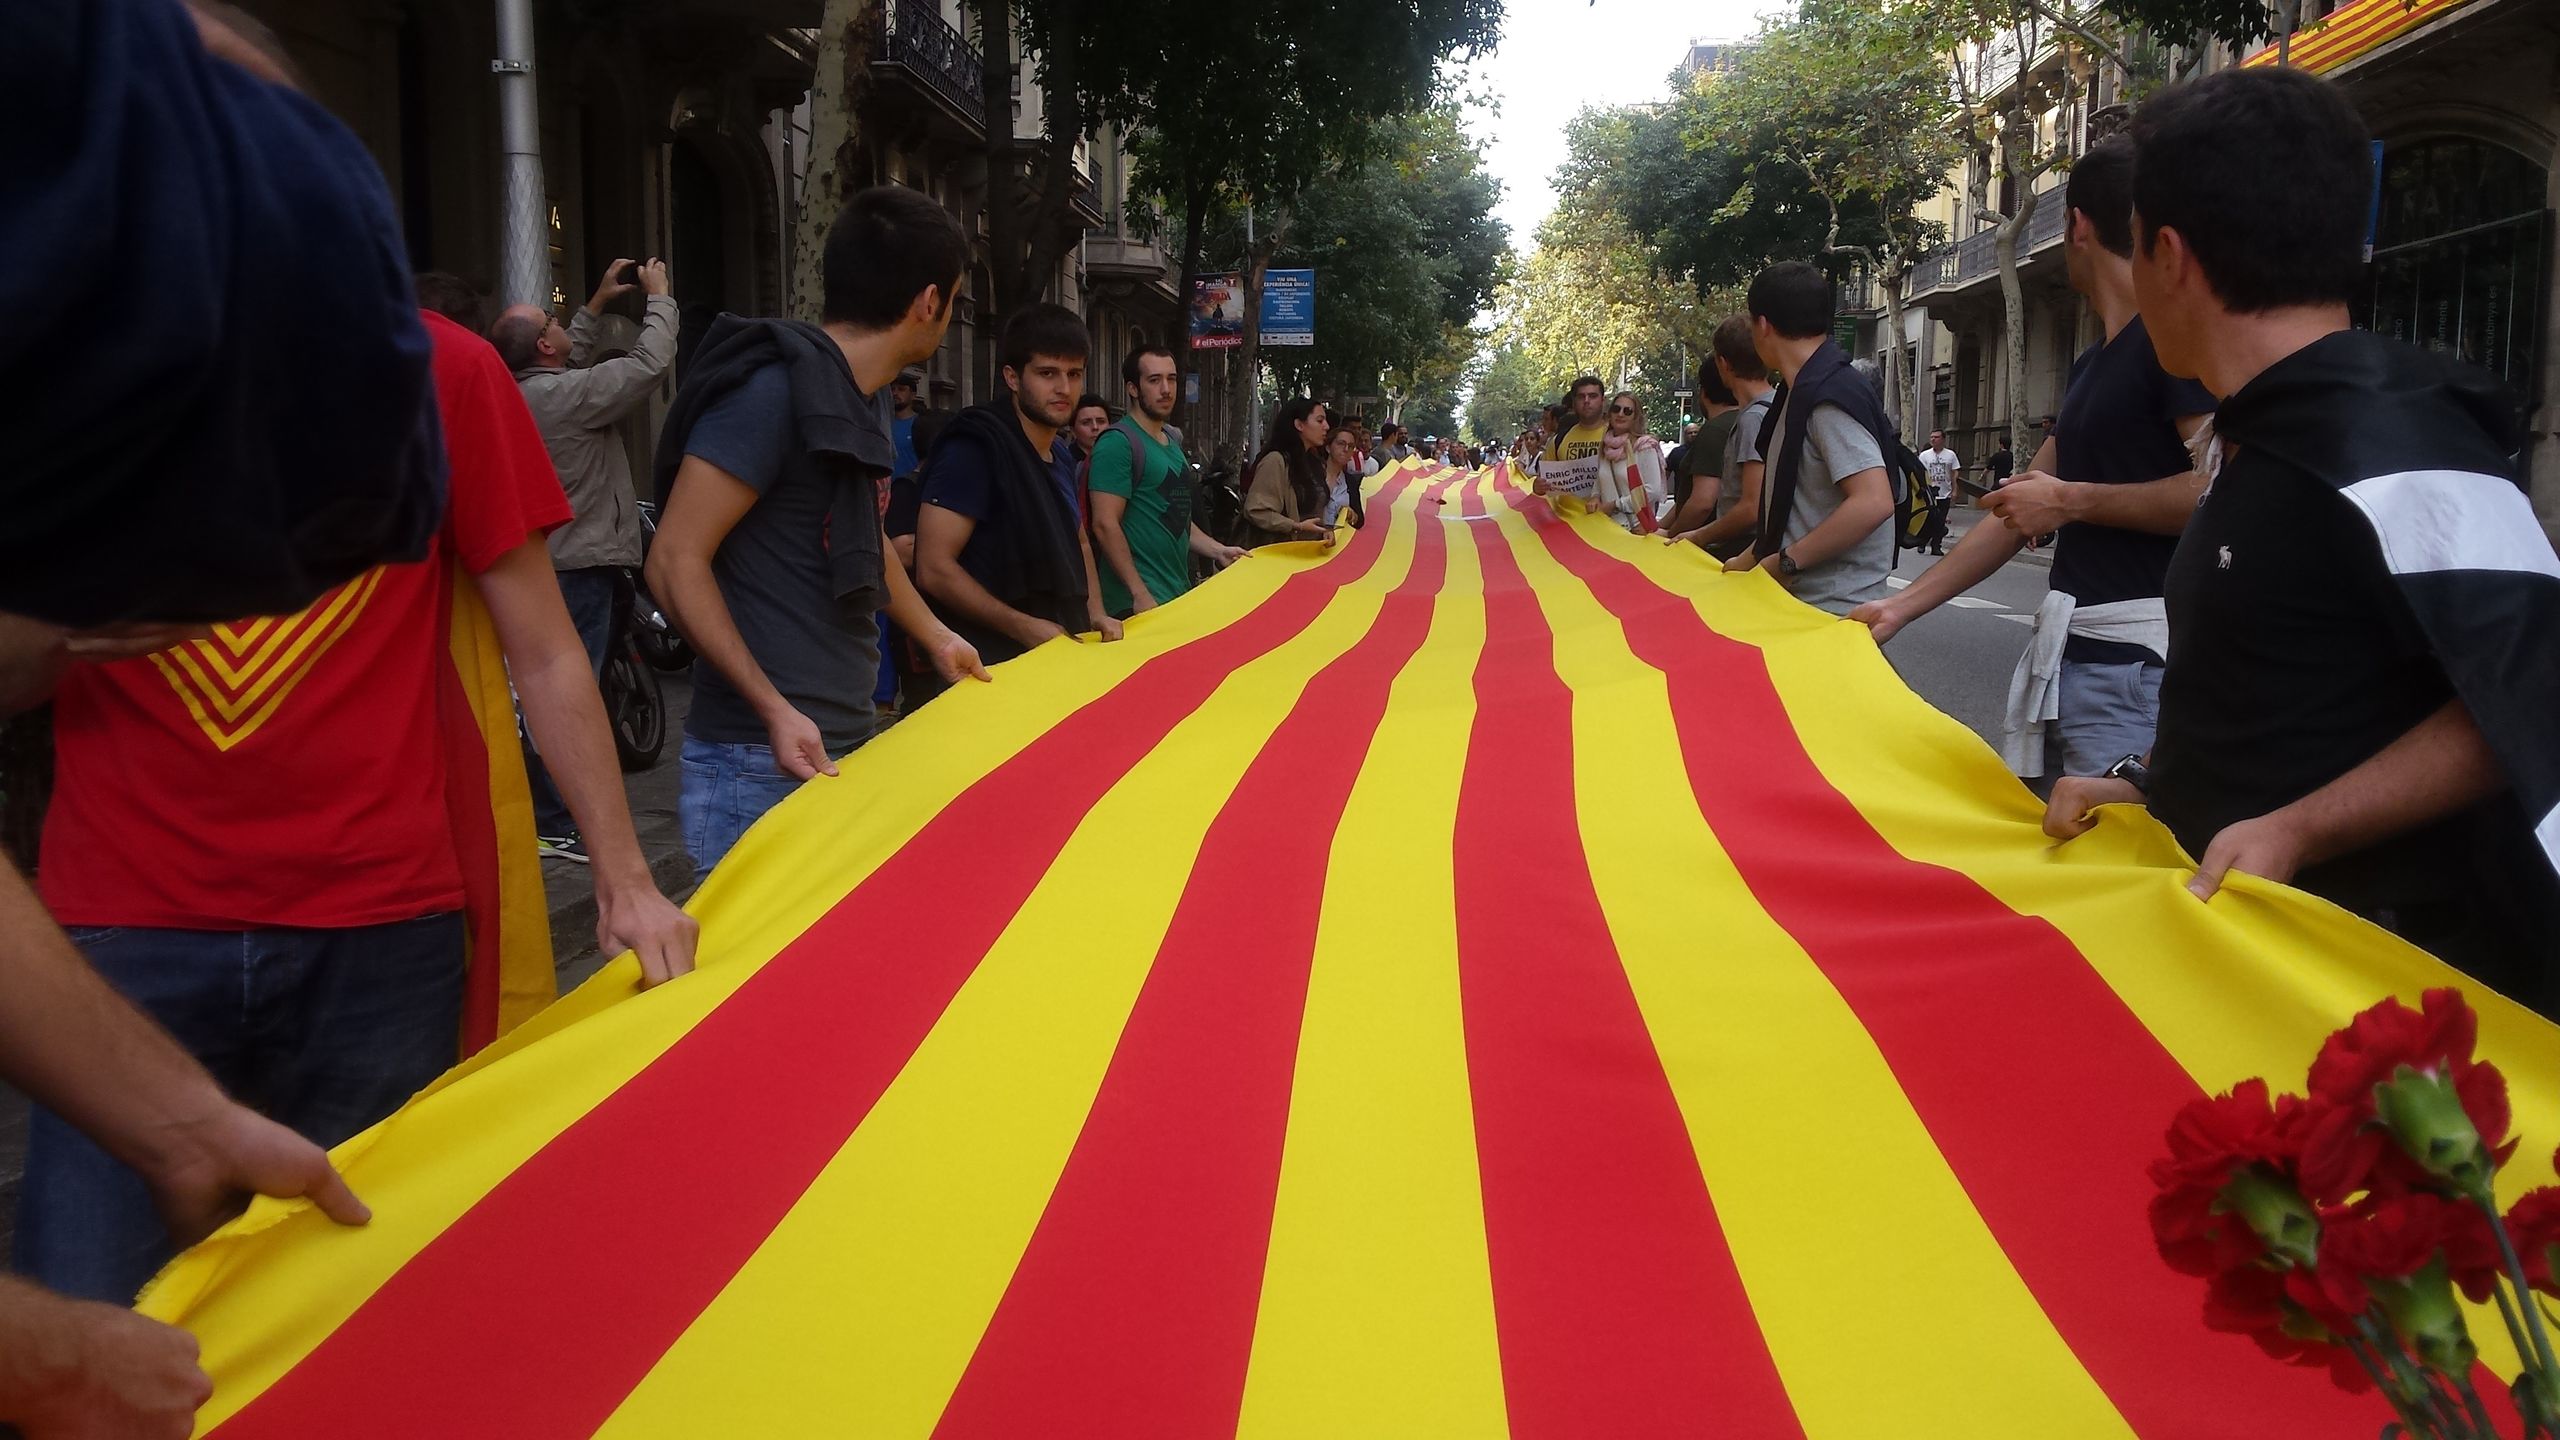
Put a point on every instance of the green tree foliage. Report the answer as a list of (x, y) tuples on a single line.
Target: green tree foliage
[(1252, 104), (1505, 392), (2019, 67), (1592, 297), (2239, 23), (1406, 251), (1847, 106)]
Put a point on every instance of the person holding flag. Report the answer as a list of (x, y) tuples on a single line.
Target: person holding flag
[(2362, 612)]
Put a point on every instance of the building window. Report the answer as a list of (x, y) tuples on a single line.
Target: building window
[(2461, 259)]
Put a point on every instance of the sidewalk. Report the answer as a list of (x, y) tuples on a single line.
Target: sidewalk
[(653, 813)]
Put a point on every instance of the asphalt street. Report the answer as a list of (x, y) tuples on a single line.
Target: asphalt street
[(1959, 656)]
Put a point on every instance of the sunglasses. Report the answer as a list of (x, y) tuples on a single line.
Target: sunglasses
[(1622, 409)]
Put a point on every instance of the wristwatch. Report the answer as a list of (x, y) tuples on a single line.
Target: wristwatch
[(1787, 565), (2133, 772)]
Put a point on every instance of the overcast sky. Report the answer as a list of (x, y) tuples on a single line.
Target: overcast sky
[(1558, 56)]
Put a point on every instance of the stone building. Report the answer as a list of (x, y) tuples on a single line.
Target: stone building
[(2463, 98), (679, 128)]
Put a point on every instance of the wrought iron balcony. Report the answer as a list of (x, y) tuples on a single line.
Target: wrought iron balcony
[(914, 37), (1978, 255)]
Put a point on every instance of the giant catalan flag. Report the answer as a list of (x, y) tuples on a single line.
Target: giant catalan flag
[(1499, 977)]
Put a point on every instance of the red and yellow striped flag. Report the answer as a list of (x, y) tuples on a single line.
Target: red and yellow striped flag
[(1502, 977)]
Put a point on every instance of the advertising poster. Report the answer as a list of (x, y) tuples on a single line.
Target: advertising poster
[(1217, 311)]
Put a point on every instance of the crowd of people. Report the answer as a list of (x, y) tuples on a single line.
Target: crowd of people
[(2299, 608)]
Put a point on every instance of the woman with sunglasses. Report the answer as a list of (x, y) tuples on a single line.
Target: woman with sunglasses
[(1631, 465)]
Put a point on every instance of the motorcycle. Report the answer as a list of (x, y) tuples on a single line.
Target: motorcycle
[(644, 642), (659, 640), (634, 702)]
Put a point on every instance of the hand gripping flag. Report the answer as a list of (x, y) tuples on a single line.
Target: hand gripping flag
[(1499, 977)]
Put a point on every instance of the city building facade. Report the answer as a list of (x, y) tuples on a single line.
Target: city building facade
[(2463, 98)]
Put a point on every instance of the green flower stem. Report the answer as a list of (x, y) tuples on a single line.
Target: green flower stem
[(2419, 1427), (2425, 1403), (2479, 1412), (2550, 1368), (2515, 1324)]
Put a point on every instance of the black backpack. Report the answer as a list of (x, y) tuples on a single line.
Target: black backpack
[(1910, 496)]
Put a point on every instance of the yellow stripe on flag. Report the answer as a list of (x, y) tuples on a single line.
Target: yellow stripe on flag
[(488, 1116), (1750, 1032), (867, 1301), (1377, 1301)]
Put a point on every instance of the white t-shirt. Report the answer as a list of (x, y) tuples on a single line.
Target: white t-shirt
[(1942, 466)]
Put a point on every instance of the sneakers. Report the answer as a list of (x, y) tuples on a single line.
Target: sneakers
[(561, 847)]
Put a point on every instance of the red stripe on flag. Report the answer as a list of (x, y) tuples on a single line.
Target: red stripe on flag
[(721, 1134), (2043, 1090), (1132, 1312), (1618, 1305), (474, 829)]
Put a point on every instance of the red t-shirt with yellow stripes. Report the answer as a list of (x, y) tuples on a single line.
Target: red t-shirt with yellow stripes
[(289, 771)]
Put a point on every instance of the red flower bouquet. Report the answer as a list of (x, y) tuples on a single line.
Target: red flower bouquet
[(2336, 1229)]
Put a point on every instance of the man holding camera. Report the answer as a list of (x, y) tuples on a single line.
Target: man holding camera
[(578, 403)]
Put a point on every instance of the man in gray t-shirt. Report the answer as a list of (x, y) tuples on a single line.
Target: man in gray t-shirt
[(1835, 543), (1836, 447)]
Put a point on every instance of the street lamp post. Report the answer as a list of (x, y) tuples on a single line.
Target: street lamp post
[(524, 262)]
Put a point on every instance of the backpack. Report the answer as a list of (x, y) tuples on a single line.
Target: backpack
[(1911, 504), (1181, 486)]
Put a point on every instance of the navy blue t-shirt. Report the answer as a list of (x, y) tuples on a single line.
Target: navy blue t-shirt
[(821, 652), (2119, 426), (967, 487)]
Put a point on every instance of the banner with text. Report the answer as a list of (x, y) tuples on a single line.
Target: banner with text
[(1288, 307)]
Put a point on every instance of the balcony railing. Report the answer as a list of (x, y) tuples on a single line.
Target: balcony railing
[(914, 36), (1978, 254)]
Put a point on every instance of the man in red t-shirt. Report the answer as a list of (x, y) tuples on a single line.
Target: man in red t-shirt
[(249, 834)]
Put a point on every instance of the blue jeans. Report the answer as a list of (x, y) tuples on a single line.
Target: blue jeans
[(2108, 712), (726, 789), (326, 1031), (590, 595)]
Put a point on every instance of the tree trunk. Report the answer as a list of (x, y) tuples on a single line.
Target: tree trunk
[(996, 70), (1900, 387), (2013, 300), (843, 71), (1062, 127), (1027, 234), (1195, 219)]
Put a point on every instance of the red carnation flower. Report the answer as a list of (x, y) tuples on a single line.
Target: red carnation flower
[(2196, 1237), (2213, 1136), (2257, 1303), (2534, 1224), (2389, 1035), (2346, 1147), (2210, 1141), (2394, 1239)]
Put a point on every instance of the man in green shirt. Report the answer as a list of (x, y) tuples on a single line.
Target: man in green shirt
[(1141, 496)]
